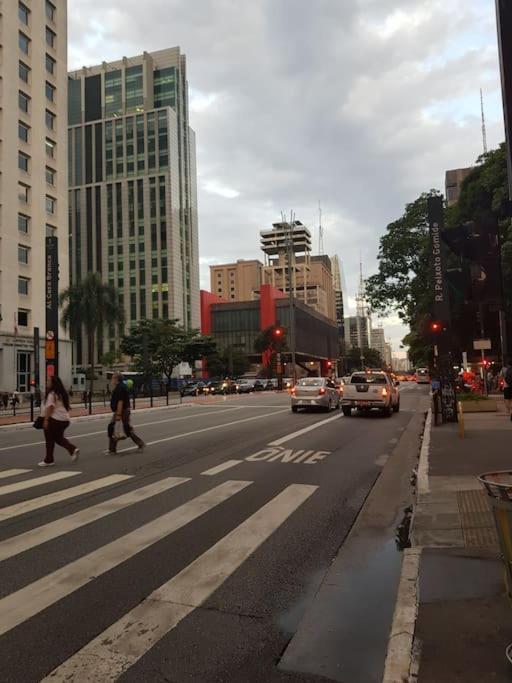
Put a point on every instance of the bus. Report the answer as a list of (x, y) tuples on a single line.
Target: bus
[(422, 376)]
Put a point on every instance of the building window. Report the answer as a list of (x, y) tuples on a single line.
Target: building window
[(50, 37), (50, 120), (113, 93), (50, 92), (23, 371), (23, 42), (23, 72), (51, 230), (22, 317), (50, 11), (23, 193), (23, 13), (23, 254), (50, 64), (23, 131), (23, 162), (23, 101), (50, 148), (50, 204), (23, 285), (23, 223), (50, 176)]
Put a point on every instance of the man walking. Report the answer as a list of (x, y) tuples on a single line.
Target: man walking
[(120, 406), (506, 374)]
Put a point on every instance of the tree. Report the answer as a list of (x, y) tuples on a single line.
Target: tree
[(229, 362), (269, 342), (372, 359), (90, 305)]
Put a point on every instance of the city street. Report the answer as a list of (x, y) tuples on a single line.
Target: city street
[(195, 560)]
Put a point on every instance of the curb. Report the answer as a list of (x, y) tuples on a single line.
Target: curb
[(401, 656)]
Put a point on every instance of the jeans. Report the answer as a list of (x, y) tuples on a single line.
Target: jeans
[(128, 430), (55, 435)]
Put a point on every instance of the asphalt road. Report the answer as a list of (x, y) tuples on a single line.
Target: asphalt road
[(193, 561)]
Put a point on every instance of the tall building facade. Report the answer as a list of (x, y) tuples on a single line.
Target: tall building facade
[(133, 187), (338, 296), (357, 331), (240, 281), (453, 184), (378, 341), (33, 187)]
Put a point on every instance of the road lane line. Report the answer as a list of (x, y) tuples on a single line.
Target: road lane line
[(205, 429), (294, 435), (220, 468), (12, 473), (30, 539), (58, 496), (40, 481), (103, 431), (37, 596), (114, 651)]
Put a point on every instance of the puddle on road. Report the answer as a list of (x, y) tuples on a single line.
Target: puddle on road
[(290, 620)]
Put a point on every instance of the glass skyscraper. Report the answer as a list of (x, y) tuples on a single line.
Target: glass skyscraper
[(133, 189)]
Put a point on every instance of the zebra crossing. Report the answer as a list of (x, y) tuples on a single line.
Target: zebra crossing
[(114, 650)]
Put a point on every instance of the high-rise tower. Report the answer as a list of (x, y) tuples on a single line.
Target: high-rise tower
[(33, 187), (133, 192)]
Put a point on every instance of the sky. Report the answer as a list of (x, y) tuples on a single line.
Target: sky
[(359, 104)]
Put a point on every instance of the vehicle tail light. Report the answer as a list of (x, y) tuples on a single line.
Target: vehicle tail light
[(321, 391), (384, 392), (293, 391), (341, 391)]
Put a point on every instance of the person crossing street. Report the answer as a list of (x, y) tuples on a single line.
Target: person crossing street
[(120, 406)]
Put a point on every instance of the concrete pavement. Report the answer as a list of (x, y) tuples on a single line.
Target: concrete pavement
[(213, 542)]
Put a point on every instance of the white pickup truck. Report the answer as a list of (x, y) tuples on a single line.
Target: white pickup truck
[(370, 390)]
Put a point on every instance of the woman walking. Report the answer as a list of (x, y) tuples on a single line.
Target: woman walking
[(55, 412)]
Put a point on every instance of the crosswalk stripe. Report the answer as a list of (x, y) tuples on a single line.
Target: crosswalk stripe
[(12, 473), (40, 481), (220, 468), (37, 596), (47, 532), (58, 496), (115, 650)]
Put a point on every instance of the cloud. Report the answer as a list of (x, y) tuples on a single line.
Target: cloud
[(362, 105)]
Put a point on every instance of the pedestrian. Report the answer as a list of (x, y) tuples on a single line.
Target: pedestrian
[(55, 411), (5, 400), (506, 374), (120, 406)]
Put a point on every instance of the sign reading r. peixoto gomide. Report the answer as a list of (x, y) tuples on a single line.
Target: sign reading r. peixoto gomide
[(52, 306), (441, 310)]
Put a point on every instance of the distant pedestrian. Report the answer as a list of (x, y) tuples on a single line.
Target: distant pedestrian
[(120, 406), (5, 400), (55, 411), (506, 374)]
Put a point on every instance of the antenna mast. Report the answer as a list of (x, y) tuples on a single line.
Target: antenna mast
[(320, 230), (484, 131)]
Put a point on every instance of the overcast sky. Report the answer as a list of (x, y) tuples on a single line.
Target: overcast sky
[(361, 104)]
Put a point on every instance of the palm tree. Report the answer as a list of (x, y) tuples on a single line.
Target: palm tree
[(89, 305)]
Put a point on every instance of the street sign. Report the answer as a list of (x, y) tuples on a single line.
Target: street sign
[(482, 344), (52, 306)]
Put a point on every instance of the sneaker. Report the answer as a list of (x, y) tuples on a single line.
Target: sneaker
[(43, 463), (141, 447), (75, 454), (108, 452)]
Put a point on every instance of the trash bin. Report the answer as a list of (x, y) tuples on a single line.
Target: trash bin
[(499, 489)]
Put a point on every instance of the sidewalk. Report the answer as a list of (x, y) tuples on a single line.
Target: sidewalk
[(463, 618)]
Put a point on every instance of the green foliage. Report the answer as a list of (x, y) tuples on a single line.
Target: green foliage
[(231, 362), (372, 359), (268, 341), (90, 305)]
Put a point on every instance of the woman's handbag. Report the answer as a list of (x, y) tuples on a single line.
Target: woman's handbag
[(38, 422)]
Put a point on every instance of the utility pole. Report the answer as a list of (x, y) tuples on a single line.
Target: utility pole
[(484, 130), (291, 302)]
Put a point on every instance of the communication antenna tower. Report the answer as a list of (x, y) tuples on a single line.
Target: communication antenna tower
[(320, 230), (484, 130)]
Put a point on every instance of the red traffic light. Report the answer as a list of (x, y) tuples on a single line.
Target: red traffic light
[(435, 326), (278, 332), (329, 363)]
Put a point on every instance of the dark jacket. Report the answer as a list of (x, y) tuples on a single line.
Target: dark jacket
[(120, 393)]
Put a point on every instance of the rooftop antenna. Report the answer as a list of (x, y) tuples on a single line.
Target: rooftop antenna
[(484, 131), (320, 230)]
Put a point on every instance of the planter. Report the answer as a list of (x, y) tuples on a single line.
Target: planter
[(483, 406)]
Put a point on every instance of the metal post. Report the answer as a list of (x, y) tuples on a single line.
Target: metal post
[(32, 407), (151, 392), (90, 402), (166, 395), (291, 331)]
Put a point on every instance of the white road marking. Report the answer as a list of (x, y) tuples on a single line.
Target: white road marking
[(220, 468), (287, 455), (23, 542), (58, 496), (34, 598), (12, 473), (103, 431), (115, 650), (205, 429), (40, 481), (294, 435)]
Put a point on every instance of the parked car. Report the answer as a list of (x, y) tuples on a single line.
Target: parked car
[(259, 385), (214, 387), (371, 390), (192, 389), (244, 386), (270, 385), (315, 392)]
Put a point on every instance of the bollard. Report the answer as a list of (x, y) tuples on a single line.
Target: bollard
[(460, 412), (32, 407), (167, 395), (90, 403), (151, 393)]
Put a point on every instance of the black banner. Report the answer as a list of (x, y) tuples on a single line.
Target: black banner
[(504, 17), (52, 307), (441, 309)]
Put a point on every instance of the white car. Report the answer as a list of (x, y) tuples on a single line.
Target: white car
[(315, 392), (368, 391)]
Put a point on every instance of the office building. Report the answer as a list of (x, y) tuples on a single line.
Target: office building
[(378, 341), (453, 183), (338, 296), (357, 331), (33, 188), (133, 194), (311, 276), (240, 281)]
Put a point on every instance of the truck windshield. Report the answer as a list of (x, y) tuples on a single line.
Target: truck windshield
[(368, 379)]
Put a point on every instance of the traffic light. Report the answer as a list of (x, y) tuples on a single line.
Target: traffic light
[(436, 327), (329, 364), (278, 332)]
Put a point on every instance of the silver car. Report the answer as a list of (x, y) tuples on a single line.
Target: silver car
[(315, 392)]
